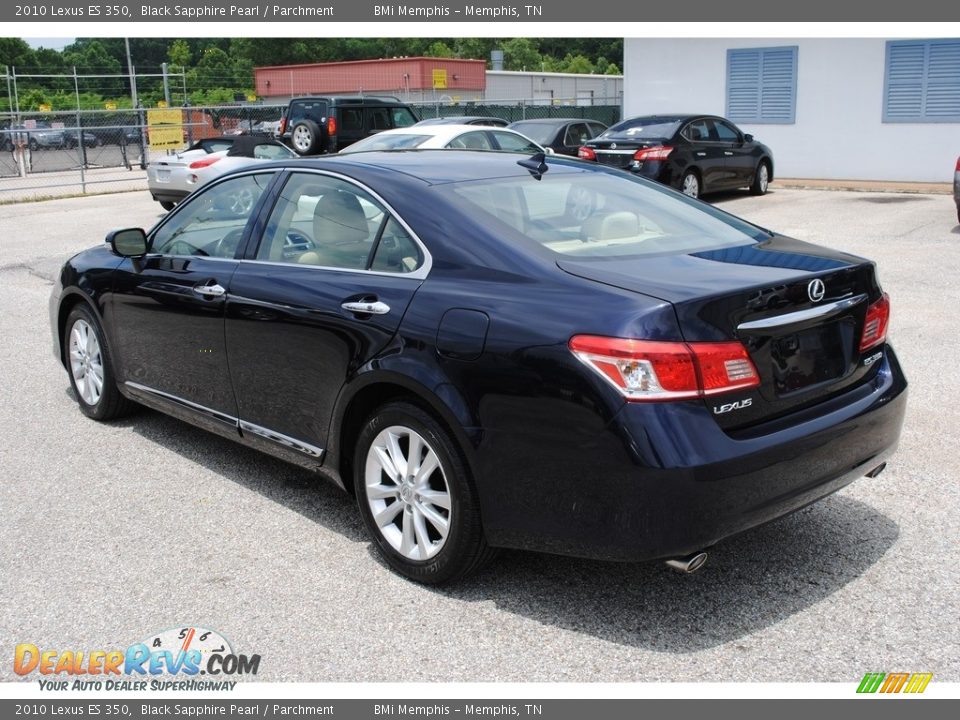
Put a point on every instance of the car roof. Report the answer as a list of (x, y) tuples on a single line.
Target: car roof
[(458, 120), (434, 166), (555, 121)]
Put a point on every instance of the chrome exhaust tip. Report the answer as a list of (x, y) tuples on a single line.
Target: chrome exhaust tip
[(689, 564)]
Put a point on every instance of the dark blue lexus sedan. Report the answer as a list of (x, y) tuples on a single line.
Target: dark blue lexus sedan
[(491, 350)]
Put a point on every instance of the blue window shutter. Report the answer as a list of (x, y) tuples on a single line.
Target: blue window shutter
[(762, 85), (922, 81)]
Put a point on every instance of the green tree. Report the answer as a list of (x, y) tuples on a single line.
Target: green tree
[(179, 53), (439, 50), (521, 54)]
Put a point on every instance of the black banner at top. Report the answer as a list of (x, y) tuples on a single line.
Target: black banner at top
[(529, 11)]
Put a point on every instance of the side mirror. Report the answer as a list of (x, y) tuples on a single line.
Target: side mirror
[(130, 242), (549, 151), (748, 138)]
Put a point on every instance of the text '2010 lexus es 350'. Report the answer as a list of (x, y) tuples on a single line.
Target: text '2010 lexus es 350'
[(496, 351)]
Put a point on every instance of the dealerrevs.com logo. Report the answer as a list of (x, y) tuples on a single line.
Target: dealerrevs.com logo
[(183, 658)]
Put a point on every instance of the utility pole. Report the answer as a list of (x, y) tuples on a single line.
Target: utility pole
[(133, 78), (166, 85)]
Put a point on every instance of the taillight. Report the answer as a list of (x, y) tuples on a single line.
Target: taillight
[(958, 165), (648, 370), (586, 153), (204, 162), (331, 125), (875, 324), (282, 127), (660, 152)]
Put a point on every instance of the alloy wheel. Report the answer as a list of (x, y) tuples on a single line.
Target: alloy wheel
[(86, 362), (302, 138), (407, 493), (691, 185)]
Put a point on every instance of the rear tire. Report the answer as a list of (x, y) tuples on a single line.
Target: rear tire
[(416, 496), (690, 184), (305, 137), (761, 179), (90, 367), (167, 205)]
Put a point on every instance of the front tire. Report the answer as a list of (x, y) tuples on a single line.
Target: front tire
[(416, 496), (90, 368), (167, 205), (761, 179)]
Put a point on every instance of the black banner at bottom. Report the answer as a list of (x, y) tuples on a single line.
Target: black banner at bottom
[(873, 708)]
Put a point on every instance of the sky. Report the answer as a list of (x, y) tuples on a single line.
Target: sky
[(58, 43)]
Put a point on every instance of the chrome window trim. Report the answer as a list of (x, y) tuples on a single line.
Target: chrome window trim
[(420, 273), (800, 316)]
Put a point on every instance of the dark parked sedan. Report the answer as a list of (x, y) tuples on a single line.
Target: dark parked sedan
[(696, 154), (565, 136), (494, 350)]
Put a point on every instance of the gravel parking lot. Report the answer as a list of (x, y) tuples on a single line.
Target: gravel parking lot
[(113, 532)]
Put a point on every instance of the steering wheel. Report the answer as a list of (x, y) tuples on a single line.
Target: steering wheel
[(226, 247), (296, 240)]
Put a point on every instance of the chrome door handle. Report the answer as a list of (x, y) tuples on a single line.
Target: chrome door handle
[(727, 153), (701, 154), (209, 290), (368, 308)]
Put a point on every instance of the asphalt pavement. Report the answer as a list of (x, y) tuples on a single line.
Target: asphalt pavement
[(113, 532)]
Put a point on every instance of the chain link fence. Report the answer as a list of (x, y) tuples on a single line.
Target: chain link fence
[(51, 154)]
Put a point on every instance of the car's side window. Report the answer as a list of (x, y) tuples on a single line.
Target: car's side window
[(351, 119), (697, 131), (379, 119), (402, 117), (328, 222), (725, 133), (211, 223), (471, 141), (576, 135), (510, 142)]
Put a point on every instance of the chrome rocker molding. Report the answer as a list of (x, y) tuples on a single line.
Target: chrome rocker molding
[(242, 425)]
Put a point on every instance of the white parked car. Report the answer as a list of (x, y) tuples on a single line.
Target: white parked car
[(453, 137), (171, 178)]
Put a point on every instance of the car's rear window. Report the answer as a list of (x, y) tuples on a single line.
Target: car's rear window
[(538, 132), (598, 214), (641, 128), (386, 141)]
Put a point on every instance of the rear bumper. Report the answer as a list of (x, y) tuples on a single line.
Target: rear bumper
[(168, 195), (664, 480)]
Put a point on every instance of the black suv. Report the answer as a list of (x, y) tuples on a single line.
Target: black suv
[(318, 125)]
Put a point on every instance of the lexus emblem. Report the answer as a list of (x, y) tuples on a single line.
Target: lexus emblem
[(816, 290), (613, 146)]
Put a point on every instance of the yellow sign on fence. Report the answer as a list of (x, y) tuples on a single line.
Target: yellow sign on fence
[(110, 106), (44, 107), (439, 79), (165, 128)]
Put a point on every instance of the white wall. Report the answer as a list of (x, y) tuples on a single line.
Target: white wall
[(838, 133)]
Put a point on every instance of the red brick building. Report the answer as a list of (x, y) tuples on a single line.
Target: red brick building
[(413, 79)]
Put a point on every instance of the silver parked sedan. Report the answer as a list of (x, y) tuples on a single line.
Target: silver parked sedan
[(173, 177)]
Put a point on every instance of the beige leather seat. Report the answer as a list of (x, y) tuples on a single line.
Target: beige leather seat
[(612, 226), (338, 219)]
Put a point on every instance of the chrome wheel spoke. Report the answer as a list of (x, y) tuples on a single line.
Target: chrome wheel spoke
[(382, 492), (430, 463), (408, 543), (386, 463), (420, 530), (434, 497), (396, 454), (440, 523), (387, 515)]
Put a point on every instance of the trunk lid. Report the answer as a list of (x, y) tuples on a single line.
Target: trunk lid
[(618, 150), (803, 338)]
